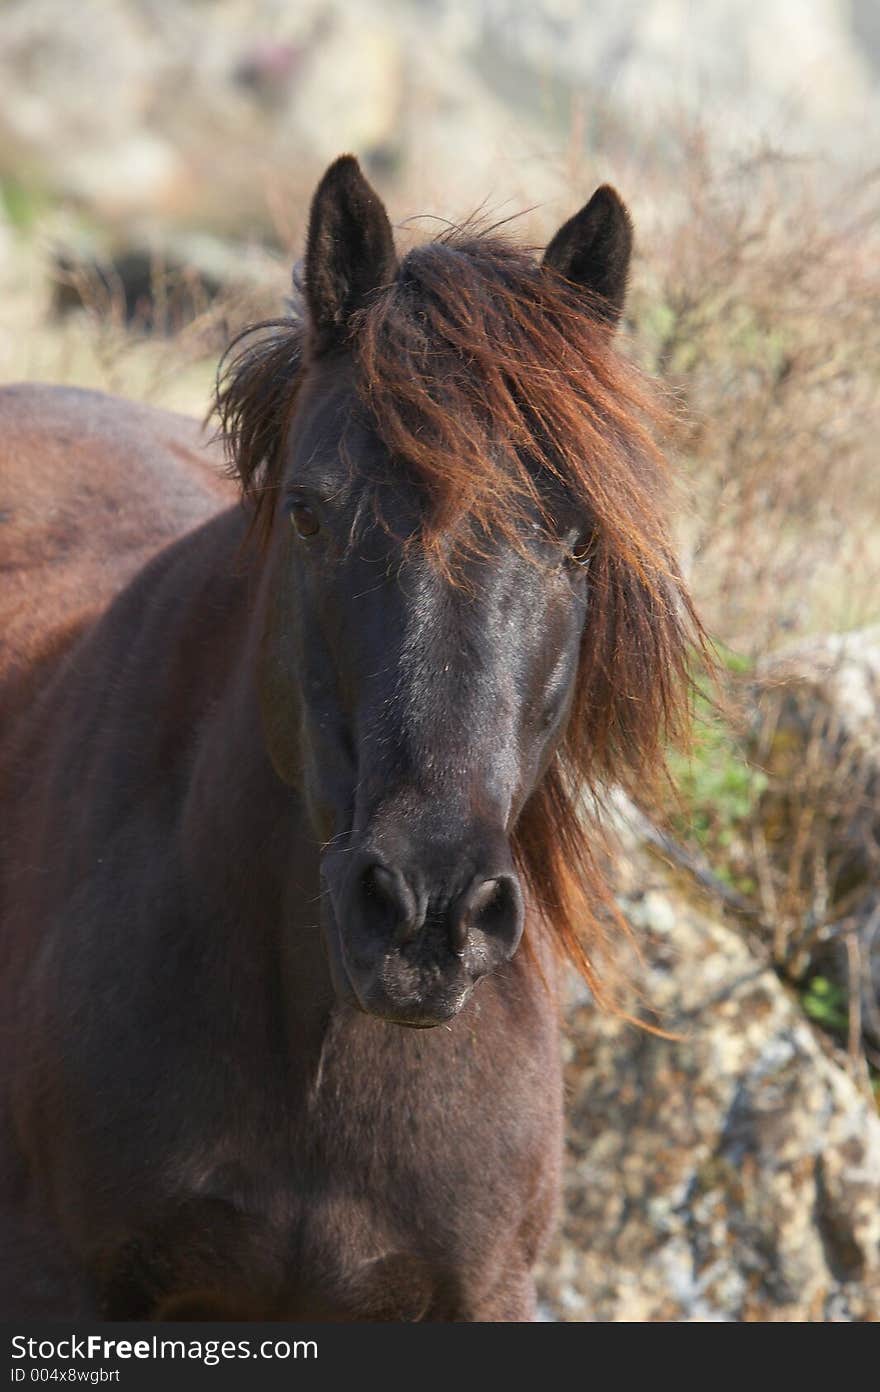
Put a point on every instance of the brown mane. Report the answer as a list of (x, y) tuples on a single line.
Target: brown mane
[(482, 372)]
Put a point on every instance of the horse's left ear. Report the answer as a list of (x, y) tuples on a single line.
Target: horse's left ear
[(349, 250), (593, 250)]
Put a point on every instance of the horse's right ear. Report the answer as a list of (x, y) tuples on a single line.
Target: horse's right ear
[(349, 251)]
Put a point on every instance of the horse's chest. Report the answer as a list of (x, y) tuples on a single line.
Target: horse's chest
[(387, 1192)]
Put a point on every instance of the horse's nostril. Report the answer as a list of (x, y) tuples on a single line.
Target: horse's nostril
[(492, 908), (379, 883), (484, 897), (389, 909), (388, 898), (496, 908)]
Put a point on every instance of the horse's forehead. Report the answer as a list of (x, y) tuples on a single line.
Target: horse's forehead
[(334, 447), (328, 432)]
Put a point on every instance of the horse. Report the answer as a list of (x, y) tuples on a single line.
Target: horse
[(296, 781)]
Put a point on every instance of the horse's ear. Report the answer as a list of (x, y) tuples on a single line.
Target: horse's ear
[(593, 250), (349, 250)]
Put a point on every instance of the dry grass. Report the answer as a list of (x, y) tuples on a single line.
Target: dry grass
[(758, 301), (96, 346), (761, 307)]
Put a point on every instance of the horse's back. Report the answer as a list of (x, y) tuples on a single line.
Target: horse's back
[(90, 487)]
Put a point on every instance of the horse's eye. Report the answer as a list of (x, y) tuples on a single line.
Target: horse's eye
[(581, 550), (305, 520)]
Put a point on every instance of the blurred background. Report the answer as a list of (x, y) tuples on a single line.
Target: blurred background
[(156, 161)]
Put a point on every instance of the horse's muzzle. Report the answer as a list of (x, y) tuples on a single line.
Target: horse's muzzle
[(408, 948)]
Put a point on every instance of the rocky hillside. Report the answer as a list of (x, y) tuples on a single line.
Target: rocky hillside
[(731, 1171)]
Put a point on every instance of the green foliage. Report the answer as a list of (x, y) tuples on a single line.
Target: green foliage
[(734, 662), (718, 789), (826, 1003), (22, 202)]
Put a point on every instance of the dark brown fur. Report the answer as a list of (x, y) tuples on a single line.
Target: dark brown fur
[(191, 1123)]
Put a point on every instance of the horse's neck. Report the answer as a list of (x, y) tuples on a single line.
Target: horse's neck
[(249, 853)]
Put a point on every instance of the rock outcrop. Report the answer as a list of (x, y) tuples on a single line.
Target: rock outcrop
[(731, 1172), (816, 732)]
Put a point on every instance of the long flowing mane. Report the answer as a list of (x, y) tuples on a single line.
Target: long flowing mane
[(485, 375)]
